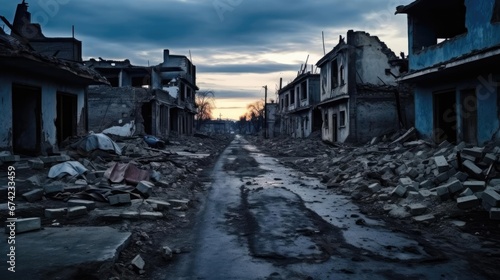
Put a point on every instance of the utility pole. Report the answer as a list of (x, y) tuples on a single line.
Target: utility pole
[(265, 111)]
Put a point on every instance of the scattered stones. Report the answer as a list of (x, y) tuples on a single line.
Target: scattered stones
[(23, 225), (145, 188), (468, 202), (417, 209)]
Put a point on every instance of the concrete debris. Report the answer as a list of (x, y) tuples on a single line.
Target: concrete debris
[(166, 253), (138, 262), (34, 195), (23, 225), (403, 169)]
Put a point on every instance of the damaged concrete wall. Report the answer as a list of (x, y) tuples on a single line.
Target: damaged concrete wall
[(116, 107), (481, 33), (376, 116), (47, 92)]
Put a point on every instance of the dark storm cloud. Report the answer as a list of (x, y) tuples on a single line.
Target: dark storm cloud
[(247, 68)]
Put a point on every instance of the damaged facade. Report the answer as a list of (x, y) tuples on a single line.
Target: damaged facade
[(299, 118), (454, 52), (359, 97), (43, 99), (152, 100)]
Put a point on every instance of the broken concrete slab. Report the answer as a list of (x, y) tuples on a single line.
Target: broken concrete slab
[(56, 213), (66, 253), (138, 262), (491, 197), (53, 188), (23, 225), (33, 195), (474, 152), (468, 202), (475, 186), (472, 169), (118, 199), (441, 163), (90, 205), (424, 218), (454, 186), (77, 211), (417, 209), (159, 204), (495, 213), (145, 188), (443, 192)]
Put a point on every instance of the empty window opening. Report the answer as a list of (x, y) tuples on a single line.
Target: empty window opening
[(66, 121), (342, 119), (303, 90), (437, 21), (26, 119), (292, 96), (335, 74)]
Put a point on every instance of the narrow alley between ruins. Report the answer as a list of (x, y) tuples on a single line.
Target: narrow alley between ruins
[(262, 220)]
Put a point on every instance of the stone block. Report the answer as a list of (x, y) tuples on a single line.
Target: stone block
[(383, 197), (405, 181), (417, 209), (399, 191), (118, 199), (151, 215), (10, 158), (427, 184), (24, 225), (374, 187), (75, 189), (424, 218), (495, 213), (472, 169), (441, 152), (138, 263), (184, 203), (474, 152), (475, 186), (90, 205), (55, 159), (166, 253), (461, 176), (145, 188), (53, 188), (77, 211), (443, 192), (466, 192), (412, 172), (33, 195), (442, 177), (55, 213), (160, 205), (425, 193), (454, 187), (36, 164), (441, 163), (491, 197), (460, 147), (130, 214), (486, 206), (414, 187), (468, 202), (490, 158)]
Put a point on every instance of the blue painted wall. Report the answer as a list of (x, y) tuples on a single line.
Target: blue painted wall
[(481, 34), (488, 122)]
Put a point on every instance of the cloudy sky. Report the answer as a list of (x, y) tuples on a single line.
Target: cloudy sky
[(238, 46)]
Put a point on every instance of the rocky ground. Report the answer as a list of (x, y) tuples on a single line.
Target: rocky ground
[(446, 191), (157, 211)]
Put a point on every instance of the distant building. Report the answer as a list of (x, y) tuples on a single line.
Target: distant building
[(43, 98), (359, 95), (298, 114), (165, 102), (454, 56)]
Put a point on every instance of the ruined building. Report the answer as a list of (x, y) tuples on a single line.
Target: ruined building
[(67, 48), (43, 99), (454, 56), (359, 97), (298, 116), (155, 100)]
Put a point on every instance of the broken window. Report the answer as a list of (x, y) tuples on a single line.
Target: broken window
[(342, 118), (436, 21), (496, 12), (113, 81), (287, 99), (303, 90), (335, 74), (182, 92), (292, 96), (325, 120)]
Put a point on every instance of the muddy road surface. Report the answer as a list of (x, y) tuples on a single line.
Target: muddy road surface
[(262, 220)]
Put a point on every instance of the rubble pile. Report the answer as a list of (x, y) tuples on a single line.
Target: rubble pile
[(405, 178), (101, 180)]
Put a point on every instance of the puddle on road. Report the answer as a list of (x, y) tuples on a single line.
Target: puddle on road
[(340, 212)]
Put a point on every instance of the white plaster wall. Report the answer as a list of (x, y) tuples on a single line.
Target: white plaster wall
[(48, 103)]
